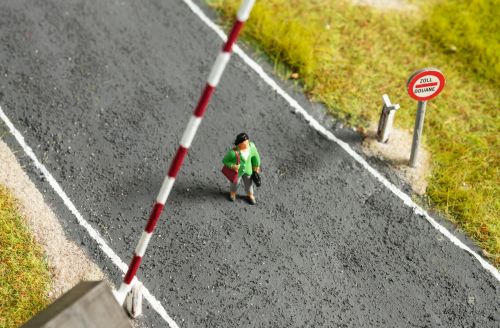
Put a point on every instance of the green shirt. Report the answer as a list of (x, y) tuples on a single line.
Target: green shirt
[(252, 161)]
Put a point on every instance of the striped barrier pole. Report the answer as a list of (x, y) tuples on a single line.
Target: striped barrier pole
[(188, 136)]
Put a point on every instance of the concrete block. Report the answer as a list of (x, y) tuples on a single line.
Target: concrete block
[(88, 304)]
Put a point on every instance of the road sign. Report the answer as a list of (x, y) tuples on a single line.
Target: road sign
[(422, 85), (425, 84)]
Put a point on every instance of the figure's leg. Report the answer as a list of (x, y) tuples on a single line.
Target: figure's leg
[(233, 189), (248, 184)]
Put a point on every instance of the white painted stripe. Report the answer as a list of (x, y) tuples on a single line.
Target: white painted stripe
[(143, 244), (245, 9), (165, 190), (121, 294), (69, 204), (201, 15), (189, 133), (159, 308), (218, 68), (316, 125)]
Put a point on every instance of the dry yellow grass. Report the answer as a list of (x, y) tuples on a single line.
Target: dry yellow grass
[(24, 273)]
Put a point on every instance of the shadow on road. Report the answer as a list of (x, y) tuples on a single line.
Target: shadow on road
[(198, 192)]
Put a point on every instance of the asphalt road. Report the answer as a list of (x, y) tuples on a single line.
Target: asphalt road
[(102, 90)]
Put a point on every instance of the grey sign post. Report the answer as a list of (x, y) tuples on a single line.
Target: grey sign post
[(417, 132), (423, 85)]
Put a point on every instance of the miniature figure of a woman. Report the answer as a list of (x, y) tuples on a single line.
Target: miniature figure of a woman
[(245, 153)]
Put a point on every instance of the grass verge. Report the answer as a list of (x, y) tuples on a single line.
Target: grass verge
[(347, 56), (24, 273)]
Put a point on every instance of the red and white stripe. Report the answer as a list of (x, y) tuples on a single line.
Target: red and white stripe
[(186, 140)]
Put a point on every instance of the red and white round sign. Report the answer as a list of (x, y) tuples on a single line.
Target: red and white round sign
[(425, 84)]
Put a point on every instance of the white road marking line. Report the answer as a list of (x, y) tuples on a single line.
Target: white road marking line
[(155, 304), (316, 125)]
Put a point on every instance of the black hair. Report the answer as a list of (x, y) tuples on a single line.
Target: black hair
[(240, 138)]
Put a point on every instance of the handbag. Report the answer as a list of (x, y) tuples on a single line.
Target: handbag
[(231, 174), (256, 178)]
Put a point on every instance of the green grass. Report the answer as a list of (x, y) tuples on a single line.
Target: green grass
[(468, 32), (348, 56), (24, 274)]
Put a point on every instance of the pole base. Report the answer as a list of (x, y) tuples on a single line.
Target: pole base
[(133, 301)]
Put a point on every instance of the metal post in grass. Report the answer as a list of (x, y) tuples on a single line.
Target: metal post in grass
[(386, 119), (423, 85), (417, 132)]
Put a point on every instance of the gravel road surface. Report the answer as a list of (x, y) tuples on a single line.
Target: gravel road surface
[(102, 91)]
